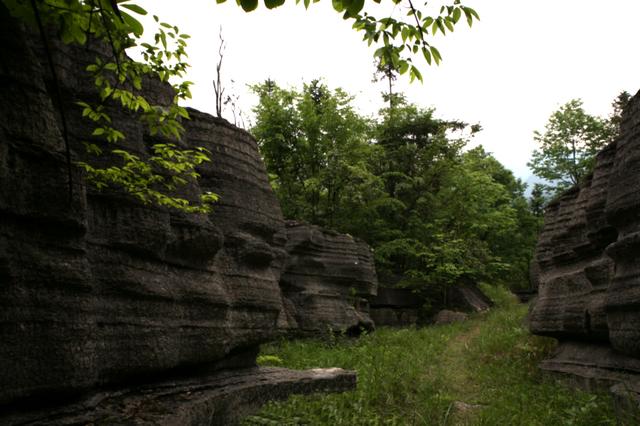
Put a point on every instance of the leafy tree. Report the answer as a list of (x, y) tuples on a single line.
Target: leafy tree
[(482, 204), (456, 216), (537, 201), (568, 145), (618, 105), (314, 146)]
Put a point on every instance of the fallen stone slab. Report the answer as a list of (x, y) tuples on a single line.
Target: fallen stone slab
[(446, 316), (221, 398)]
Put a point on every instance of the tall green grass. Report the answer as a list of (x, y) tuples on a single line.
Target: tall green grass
[(480, 372)]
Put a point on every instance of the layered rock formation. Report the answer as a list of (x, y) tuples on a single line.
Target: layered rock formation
[(219, 399), (400, 307), (327, 279), (588, 262), (98, 290)]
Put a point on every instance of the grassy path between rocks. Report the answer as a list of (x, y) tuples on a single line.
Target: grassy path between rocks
[(461, 383), (480, 372)]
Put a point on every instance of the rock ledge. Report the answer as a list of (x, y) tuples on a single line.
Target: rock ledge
[(221, 398)]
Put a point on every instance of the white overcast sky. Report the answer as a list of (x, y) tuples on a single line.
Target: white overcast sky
[(509, 72)]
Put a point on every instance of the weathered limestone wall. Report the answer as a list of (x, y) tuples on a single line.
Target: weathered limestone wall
[(623, 212), (109, 288), (99, 290), (588, 257)]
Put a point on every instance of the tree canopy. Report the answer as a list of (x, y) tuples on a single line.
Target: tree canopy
[(434, 213), (568, 145)]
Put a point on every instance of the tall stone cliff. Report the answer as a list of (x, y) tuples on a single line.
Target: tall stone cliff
[(588, 263), (102, 295)]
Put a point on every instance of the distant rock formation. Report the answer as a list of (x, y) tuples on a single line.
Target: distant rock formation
[(399, 307), (327, 279), (100, 291), (467, 298), (588, 262), (395, 307)]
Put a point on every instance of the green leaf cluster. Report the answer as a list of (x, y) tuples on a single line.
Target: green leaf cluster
[(315, 147), (399, 38)]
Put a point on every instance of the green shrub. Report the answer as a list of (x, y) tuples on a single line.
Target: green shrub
[(498, 294)]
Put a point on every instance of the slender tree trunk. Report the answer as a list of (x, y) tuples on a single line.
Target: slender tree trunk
[(575, 165), (217, 83), (389, 78)]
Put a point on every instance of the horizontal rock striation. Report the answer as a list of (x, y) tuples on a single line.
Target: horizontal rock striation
[(591, 365), (107, 287), (222, 398), (327, 279), (98, 290), (574, 271), (588, 263), (623, 212)]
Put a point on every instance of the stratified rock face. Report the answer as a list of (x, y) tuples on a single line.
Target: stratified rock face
[(327, 279), (218, 399), (623, 212), (591, 365), (98, 290), (588, 265), (573, 270)]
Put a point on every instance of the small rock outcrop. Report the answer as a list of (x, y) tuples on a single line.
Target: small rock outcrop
[(99, 291), (467, 298), (446, 316), (588, 263), (326, 280), (395, 307)]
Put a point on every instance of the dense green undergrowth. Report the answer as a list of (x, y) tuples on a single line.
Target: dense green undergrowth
[(481, 372)]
